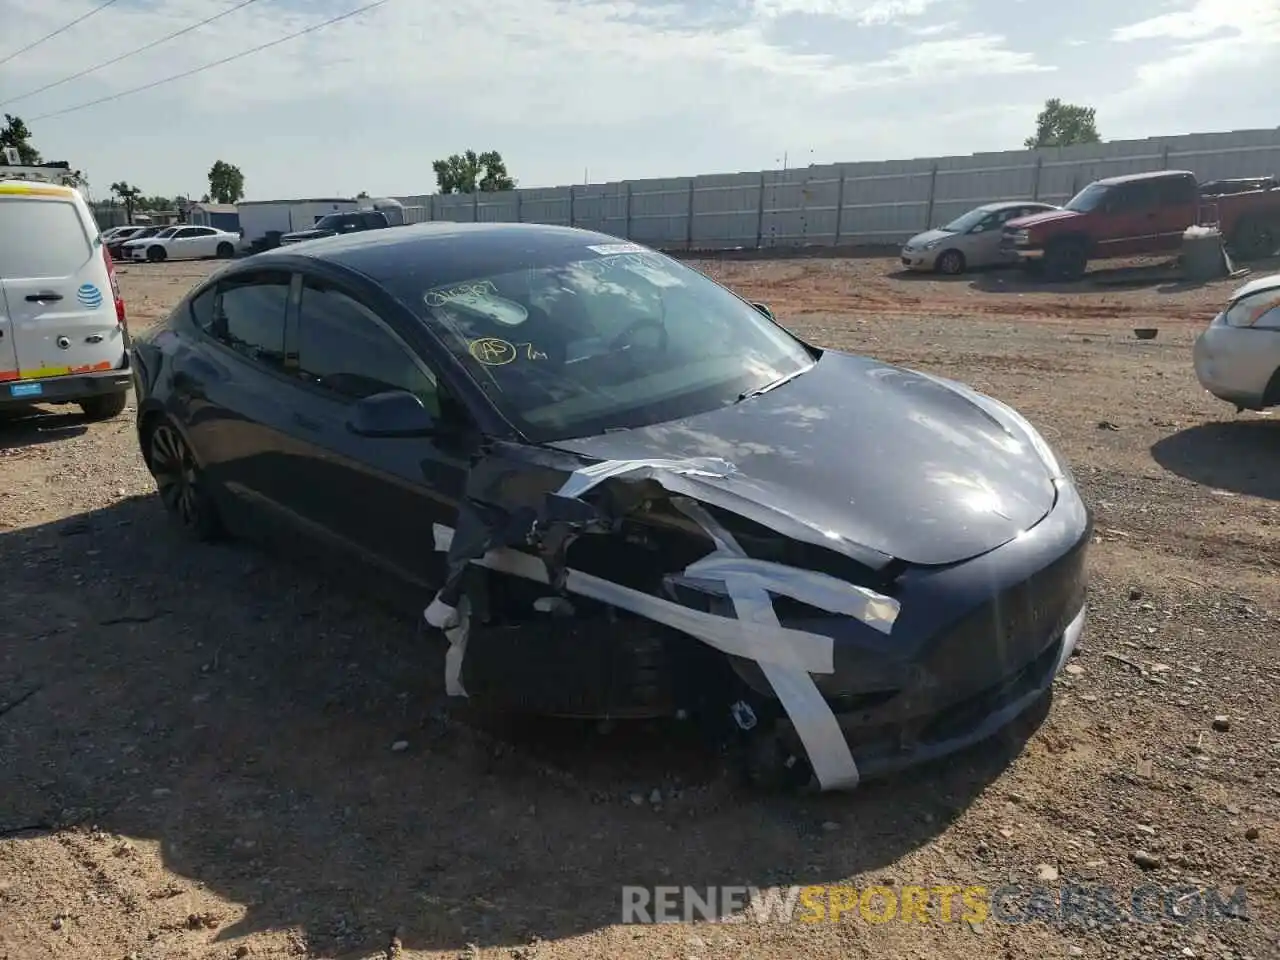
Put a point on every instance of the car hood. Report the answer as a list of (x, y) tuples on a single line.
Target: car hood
[(920, 239), (890, 459), (309, 234), (1039, 219)]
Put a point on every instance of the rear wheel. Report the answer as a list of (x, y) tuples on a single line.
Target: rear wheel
[(181, 483), (157, 253), (226, 251), (950, 263), (1066, 260), (1254, 240), (104, 406)]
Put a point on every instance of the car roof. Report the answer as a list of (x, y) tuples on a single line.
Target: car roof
[(451, 247), (1149, 175), (36, 188), (1269, 282)]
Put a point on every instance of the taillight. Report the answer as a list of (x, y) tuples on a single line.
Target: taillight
[(115, 289)]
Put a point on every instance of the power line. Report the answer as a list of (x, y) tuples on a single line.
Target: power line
[(131, 53), (210, 66), (63, 29)]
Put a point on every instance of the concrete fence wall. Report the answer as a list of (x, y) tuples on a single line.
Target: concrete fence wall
[(846, 204)]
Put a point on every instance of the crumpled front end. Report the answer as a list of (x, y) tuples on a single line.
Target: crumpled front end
[(650, 587)]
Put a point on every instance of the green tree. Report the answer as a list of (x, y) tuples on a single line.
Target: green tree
[(155, 203), (362, 195), (226, 183), (1063, 125), (129, 196), (468, 172), (15, 133)]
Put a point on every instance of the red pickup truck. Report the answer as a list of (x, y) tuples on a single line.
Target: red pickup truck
[(1143, 213)]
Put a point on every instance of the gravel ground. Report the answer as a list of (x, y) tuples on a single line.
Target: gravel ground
[(210, 752)]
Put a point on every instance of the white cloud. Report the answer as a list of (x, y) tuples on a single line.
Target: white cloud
[(863, 12), (1210, 51), (933, 29)]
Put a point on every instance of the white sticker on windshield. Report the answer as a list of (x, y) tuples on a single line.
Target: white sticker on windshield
[(613, 249)]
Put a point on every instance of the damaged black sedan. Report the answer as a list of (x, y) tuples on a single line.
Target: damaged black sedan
[(622, 490)]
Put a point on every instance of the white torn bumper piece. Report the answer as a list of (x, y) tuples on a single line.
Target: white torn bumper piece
[(787, 657)]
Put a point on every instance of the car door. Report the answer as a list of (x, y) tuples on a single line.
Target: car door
[(232, 390), (982, 245), (377, 498), (179, 246), (1129, 223), (59, 308), (204, 242), (1177, 206)]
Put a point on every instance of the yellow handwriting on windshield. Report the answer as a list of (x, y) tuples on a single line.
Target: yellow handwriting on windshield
[(495, 352), (492, 352)]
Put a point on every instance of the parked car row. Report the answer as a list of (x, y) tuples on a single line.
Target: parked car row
[(1134, 215), (178, 242)]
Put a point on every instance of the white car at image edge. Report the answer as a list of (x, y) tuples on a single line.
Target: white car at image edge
[(1237, 357), (183, 243)]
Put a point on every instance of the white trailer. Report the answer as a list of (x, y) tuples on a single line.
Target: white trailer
[(259, 218)]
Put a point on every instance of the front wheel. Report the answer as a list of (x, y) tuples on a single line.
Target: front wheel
[(156, 254), (104, 406), (1066, 260), (183, 488), (951, 263), (1254, 240)]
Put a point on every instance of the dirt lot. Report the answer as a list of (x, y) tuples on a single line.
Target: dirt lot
[(196, 744)]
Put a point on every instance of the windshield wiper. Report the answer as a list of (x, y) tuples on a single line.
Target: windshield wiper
[(748, 394)]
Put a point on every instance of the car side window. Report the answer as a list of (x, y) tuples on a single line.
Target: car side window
[(344, 348), (201, 307), (1178, 191), (1134, 197), (249, 316)]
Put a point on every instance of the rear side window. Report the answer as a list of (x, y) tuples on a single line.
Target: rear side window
[(1177, 191), (41, 239), (250, 316)]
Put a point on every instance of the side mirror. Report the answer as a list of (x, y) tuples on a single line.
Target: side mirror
[(396, 413), (764, 308)]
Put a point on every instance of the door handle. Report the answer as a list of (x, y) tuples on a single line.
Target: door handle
[(42, 297), (307, 423)]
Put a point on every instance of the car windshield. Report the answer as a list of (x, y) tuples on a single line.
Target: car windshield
[(623, 337), (1088, 199), (334, 221), (967, 221)]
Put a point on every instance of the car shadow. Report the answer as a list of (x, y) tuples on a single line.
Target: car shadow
[(288, 748), (30, 426), (1241, 456)]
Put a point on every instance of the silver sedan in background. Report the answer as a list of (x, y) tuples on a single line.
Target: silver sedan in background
[(970, 240), (1237, 358)]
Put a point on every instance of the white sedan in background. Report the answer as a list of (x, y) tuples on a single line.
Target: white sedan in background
[(970, 240), (1237, 358), (183, 243)]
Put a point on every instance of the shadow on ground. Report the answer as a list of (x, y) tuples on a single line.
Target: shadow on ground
[(240, 712), (31, 426), (1242, 456)]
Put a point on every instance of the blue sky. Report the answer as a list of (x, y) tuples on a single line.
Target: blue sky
[(615, 89)]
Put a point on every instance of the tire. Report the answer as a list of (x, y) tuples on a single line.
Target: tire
[(104, 406), (1066, 260), (181, 484), (1254, 239), (226, 251), (157, 254), (950, 263)]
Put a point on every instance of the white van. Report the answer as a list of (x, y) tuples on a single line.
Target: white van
[(63, 336)]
